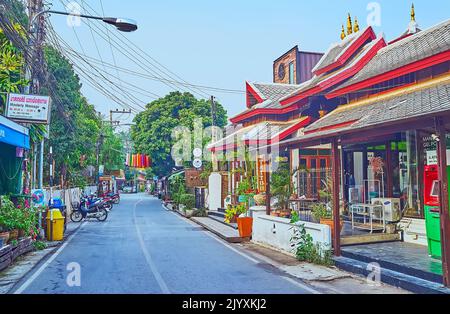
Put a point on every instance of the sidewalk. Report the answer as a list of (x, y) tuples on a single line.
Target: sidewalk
[(327, 280), (24, 264)]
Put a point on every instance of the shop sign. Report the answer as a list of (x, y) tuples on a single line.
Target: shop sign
[(432, 157), (28, 108)]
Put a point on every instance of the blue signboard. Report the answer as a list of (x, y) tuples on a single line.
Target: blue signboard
[(13, 134)]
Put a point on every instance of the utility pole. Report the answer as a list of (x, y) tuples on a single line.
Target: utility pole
[(34, 71), (213, 111), (117, 111)]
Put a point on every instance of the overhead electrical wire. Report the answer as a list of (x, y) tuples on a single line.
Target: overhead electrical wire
[(88, 70), (136, 54)]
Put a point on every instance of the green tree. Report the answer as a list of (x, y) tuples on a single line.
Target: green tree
[(11, 66), (152, 132)]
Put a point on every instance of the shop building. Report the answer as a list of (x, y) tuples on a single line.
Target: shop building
[(14, 140), (388, 137)]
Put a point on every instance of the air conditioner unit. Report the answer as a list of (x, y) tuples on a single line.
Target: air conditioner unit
[(391, 208)]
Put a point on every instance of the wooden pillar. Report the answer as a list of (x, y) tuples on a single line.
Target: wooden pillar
[(336, 203), (443, 198), (389, 174), (267, 174)]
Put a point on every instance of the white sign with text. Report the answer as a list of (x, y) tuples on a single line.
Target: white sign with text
[(28, 108)]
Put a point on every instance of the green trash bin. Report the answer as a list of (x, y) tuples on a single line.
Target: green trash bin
[(433, 225)]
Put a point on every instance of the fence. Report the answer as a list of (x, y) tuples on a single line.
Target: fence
[(312, 186)]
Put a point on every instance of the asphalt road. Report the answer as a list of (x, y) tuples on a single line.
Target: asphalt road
[(142, 248)]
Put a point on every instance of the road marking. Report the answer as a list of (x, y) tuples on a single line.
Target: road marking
[(266, 259), (162, 284), (33, 277)]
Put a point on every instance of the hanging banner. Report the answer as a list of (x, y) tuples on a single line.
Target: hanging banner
[(28, 108)]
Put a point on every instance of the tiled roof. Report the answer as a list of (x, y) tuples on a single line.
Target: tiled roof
[(334, 52), (274, 91), (323, 77), (413, 48), (262, 131), (421, 102)]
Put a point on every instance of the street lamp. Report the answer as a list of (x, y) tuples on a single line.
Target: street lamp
[(122, 24)]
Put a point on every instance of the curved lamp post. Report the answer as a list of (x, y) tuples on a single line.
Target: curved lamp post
[(122, 24)]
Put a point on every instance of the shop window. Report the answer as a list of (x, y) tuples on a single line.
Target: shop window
[(405, 164)]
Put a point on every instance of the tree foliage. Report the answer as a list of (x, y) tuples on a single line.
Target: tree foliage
[(152, 132), (11, 66)]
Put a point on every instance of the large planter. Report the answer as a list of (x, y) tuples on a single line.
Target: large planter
[(245, 226), (330, 222)]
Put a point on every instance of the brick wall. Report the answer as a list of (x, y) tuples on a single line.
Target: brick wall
[(285, 60)]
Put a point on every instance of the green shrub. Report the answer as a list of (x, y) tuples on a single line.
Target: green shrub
[(306, 251), (188, 200)]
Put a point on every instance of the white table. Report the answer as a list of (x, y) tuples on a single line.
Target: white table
[(370, 213)]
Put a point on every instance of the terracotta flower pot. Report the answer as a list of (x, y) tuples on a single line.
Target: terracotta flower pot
[(245, 226), (21, 233), (5, 237), (13, 234), (329, 222)]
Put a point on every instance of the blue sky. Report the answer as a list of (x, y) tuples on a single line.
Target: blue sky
[(222, 43)]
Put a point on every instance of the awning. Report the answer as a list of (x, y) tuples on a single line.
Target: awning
[(13, 134)]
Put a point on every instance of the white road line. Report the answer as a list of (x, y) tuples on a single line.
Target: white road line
[(302, 286), (221, 241), (30, 280), (162, 284)]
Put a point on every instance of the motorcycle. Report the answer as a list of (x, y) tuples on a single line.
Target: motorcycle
[(90, 208), (114, 197)]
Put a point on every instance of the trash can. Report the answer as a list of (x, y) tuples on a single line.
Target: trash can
[(55, 227), (433, 226)]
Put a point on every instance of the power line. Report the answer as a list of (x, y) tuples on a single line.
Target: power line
[(123, 44)]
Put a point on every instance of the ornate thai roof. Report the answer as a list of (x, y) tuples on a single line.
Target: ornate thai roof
[(406, 51)]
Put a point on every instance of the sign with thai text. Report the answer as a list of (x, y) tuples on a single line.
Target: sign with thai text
[(28, 108)]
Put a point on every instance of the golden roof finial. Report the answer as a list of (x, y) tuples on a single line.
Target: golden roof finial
[(413, 13), (349, 25), (343, 32), (356, 27)]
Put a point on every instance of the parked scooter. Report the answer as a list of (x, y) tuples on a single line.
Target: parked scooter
[(114, 197), (90, 208)]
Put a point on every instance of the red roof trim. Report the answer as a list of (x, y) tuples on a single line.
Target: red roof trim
[(354, 46), (412, 67), (251, 90), (339, 77), (279, 138), (262, 111)]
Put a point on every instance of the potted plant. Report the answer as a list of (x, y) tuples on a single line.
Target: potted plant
[(245, 223), (260, 199), (188, 200), (324, 215), (280, 186)]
